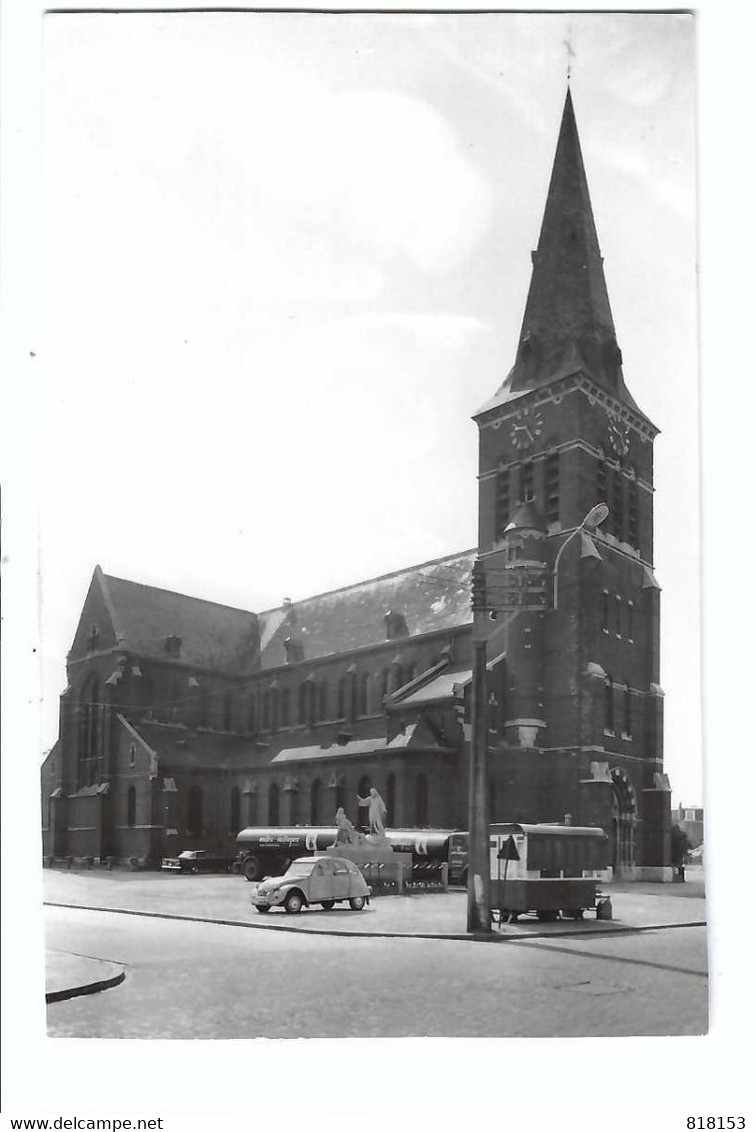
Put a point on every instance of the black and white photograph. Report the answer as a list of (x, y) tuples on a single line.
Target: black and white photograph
[(367, 489)]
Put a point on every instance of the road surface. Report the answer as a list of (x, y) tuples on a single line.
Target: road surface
[(205, 980)]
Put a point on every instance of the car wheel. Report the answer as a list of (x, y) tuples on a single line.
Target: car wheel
[(548, 917), (263, 907), (327, 904), (252, 868), (357, 903), (294, 902)]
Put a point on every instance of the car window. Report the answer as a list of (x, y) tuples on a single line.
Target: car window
[(340, 867)]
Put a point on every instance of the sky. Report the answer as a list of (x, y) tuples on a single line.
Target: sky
[(285, 258)]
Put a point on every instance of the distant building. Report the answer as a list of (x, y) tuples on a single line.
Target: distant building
[(691, 821), (184, 720)]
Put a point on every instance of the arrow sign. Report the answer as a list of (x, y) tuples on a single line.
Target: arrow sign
[(508, 851)]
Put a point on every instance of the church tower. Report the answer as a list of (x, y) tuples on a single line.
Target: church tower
[(580, 706)]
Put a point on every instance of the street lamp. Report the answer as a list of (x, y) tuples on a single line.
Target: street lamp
[(594, 518)]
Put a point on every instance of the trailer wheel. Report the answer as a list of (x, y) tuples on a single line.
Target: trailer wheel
[(327, 904), (548, 917), (252, 868)]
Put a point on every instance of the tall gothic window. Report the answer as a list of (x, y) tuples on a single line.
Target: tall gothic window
[(502, 501), (251, 712), (627, 725), (363, 684), (617, 504), (322, 700), (302, 704), (228, 711), (605, 611), (527, 492), (131, 806), (273, 804), (316, 792), (633, 535), (89, 734), (630, 621), (341, 697), (608, 705), (284, 707), (552, 487)]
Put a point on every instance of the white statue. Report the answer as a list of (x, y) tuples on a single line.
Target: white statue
[(376, 811), (346, 834)]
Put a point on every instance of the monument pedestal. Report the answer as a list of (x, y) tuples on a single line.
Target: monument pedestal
[(376, 860)]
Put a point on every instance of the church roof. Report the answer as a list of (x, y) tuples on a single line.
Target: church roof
[(210, 635), (430, 597), (567, 327), (159, 623)]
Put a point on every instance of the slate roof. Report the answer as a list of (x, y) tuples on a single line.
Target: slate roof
[(432, 596), (212, 636), (445, 685), (567, 327)]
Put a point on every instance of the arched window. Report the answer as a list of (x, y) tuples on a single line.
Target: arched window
[(608, 705), (363, 685), (605, 611), (235, 822), (630, 621), (251, 712), (383, 683), (203, 713), (628, 713), (340, 794), (146, 694), (421, 800), (176, 705), (285, 707), (302, 705), (323, 700), (194, 811), (266, 710), (228, 711), (390, 799), (89, 734), (131, 806), (341, 699), (293, 806), (618, 615), (273, 804), (315, 799), (252, 807)]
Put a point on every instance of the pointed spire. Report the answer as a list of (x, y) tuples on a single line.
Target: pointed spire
[(567, 326)]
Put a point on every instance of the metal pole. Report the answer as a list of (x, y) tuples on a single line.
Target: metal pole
[(478, 869)]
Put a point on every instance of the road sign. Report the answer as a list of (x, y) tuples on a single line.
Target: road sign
[(508, 851)]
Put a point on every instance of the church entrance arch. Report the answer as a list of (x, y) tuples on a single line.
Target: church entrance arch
[(622, 826)]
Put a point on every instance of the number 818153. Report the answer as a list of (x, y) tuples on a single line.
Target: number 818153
[(716, 1122)]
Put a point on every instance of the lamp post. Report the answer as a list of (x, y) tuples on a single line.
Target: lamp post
[(478, 881), (595, 516)]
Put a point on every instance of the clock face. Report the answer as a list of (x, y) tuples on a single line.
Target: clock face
[(526, 428), (619, 436)]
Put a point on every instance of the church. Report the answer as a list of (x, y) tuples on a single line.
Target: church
[(184, 720)]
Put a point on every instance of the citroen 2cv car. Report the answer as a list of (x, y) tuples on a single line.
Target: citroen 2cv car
[(313, 880)]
